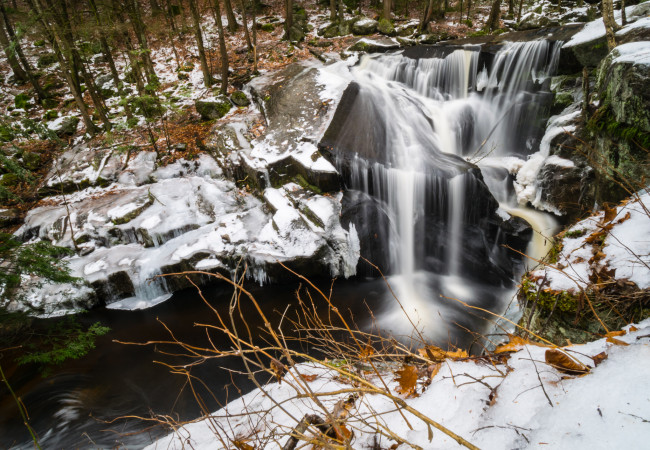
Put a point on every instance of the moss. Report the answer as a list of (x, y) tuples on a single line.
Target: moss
[(51, 114), (32, 161), (9, 180), (303, 183), (240, 99), (575, 233), (6, 133), (46, 60), (39, 43), (21, 101), (309, 214), (267, 27), (604, 121), (385, 27), (549, 300)]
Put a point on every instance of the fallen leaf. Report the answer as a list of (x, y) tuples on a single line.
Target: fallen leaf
[(633, 329), (366, 352), (514, 344), (615, 341), (624, 218), (407, 377), (437, 354), (610, 213), (600, 357), (278, 369), (309, 378), (615, 333), (564, 363)]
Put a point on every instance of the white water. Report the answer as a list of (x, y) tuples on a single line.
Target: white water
[(424, 110)]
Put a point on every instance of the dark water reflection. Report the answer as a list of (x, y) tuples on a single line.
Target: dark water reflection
[(70, 409)]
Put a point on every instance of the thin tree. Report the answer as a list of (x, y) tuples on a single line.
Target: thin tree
[(332, 10), (288, 19), (495, 16), (15, 46), (230, 15), (244, 15), (59, 45), (196, 19), (388, 5), (155, 7), (133, 10), (223, 51), (19, 74), (611, 27)]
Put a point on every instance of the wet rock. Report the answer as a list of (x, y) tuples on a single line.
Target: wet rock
[(367, 45), (9, 217), (568, 187)]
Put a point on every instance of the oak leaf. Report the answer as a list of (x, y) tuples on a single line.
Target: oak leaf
[(407, 377), (514, 344), (615, 341)]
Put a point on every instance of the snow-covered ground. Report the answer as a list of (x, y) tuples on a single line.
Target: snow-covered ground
[(617, 239), (518, 402)]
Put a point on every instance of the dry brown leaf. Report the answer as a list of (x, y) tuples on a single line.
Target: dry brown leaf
[(564, 363), (366, 352), (633, 329), (407, 377), (624, 218), (615, 333), (308, 378), (514, 344), (278, 369), (615, 341), (610, 213), (434, 353), (600, 357)]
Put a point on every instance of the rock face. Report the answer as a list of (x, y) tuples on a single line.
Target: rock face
[(131, 219)]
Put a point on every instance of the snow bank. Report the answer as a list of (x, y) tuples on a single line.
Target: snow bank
[(626, 249), (522, 403)]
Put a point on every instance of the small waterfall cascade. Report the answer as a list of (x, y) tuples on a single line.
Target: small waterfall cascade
[(424, 143)]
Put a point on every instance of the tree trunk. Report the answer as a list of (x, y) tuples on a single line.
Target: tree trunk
[(332, 10), (388, 5), (230, 15), (59, 46), (108, 55), (133, 10), (495, 15), (460, 12), (207, 77), (521, 4), (155, 7), (223, 51), (511, 9), (288, 19), (15, 43), (623, 15), (169, 14), (469, 9), (19, 73), (244, 15), (428, 13), (610, 24)]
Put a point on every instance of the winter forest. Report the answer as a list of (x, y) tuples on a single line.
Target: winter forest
[(340, 224)]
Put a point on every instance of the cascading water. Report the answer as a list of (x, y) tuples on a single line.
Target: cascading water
[(409, 134)]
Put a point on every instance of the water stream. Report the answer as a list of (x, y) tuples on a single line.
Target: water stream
[(424, 143)]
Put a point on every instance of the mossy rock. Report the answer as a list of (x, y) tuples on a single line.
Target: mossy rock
[(364, 27), (213, 109), (239, 98), (267, 27), (67, 127), (561, 101), (148, 106), (9, 180), (39, 43), (46, 60), (386, 27), (51, 114), (21, 101), (32, 161), (90, 48), (6, 133), (50, 103)]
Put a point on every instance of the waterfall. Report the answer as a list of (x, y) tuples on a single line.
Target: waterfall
[(409, 132)]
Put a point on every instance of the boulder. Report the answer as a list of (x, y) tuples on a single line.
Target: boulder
[(64, 126), (364, 27), (386, 27), (9, 217), (239, 98), (366, 45), (214, 108)]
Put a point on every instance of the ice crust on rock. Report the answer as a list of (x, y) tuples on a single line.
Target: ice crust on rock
[(135, 218)]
